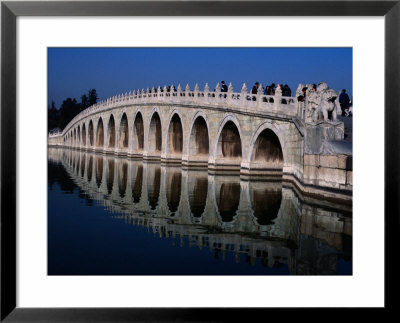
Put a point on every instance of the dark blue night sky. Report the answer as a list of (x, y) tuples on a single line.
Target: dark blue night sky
[(73, 71)]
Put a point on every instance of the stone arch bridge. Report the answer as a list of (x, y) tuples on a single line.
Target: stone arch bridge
[(255, 134)]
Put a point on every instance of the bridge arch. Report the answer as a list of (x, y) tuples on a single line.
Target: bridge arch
[(91, 133), (199, 138), (138, 131), (79, 135), (154, 138), (228, 146), (124, 132), (84, 135), (267, 148), (111, 132), (100, 133), (175, 134)]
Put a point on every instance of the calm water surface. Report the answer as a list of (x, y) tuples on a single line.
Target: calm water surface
[(119, 216)]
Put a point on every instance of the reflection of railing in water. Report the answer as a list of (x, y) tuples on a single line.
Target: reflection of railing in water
[(217, 212)]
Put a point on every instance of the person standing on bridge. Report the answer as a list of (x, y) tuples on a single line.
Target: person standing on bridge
[(255, 88), (273, 89), (286, 91), (344, 101), (224, 88)]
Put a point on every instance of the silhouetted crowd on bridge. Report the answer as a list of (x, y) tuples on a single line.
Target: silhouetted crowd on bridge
[(271, 89), (267, 90)]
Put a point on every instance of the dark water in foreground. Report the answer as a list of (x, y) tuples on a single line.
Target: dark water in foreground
[(118, 216)]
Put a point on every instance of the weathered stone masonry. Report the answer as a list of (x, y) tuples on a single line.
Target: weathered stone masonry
[(222, 131)]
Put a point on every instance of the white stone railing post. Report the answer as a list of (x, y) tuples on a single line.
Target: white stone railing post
[(243, 95), (187, 93), (178, 93), (142, 96), (229, 94), (159, 94), (206, 93), (217, 93), (259, 96), (277, 98), (165, 93), (196, 93)]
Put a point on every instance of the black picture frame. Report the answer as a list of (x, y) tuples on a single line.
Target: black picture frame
[(10, 10)]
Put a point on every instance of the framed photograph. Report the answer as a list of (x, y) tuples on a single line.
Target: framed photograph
[(189, 160)]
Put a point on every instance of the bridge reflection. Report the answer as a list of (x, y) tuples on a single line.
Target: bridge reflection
[(255, 220)]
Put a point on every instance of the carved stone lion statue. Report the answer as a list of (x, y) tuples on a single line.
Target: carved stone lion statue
[(328, 103), (320, 102)]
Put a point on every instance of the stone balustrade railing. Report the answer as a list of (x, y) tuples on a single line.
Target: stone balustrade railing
[(276, 104)]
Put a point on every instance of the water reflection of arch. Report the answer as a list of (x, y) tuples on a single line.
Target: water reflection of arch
[(153, 185), (78, 164), (122, 171), (265, 200), (172, 182), (99, 170), (110, 174), (137, 181), (282, 217), (90, 168), (197, 188), (226, 191)]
